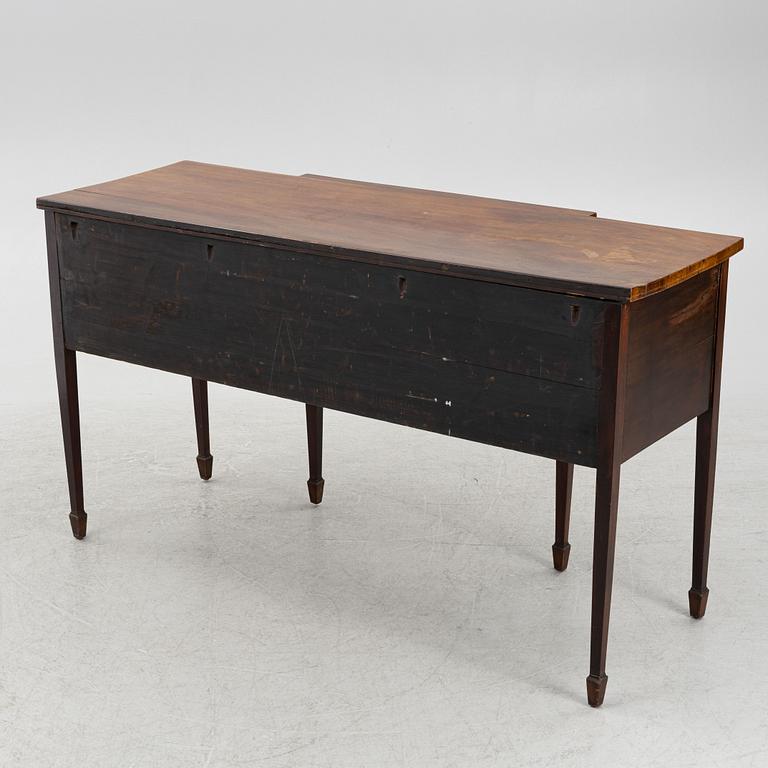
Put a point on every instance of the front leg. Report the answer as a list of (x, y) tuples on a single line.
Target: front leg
[(606, 507), (66, 374), (706, 454), (706, 449), (66, 377), (609, 451)]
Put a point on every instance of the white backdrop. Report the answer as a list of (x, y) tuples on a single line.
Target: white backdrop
[(414, 618), (655, 112)]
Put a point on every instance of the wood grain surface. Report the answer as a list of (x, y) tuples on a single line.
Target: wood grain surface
[(671, 343), (490, 204), (496, 241)]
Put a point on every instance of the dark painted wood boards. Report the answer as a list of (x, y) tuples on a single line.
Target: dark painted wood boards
[(671, 343), (497, 242), (497, 364)]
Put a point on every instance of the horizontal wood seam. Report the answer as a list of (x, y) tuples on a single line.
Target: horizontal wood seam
[(405, 353)]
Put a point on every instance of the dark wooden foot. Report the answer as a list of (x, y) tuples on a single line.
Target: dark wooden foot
[(66, 378), (560, 556), (205, 467), (79, 524), (697, 602), (315, 490), (563, 486), (315, 450), (200, 399), (706, 454), (596, 685)]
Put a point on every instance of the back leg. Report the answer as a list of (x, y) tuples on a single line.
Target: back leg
[(561, 549), (315, 447), (204, 458)]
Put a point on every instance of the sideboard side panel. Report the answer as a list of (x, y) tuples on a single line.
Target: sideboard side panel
[(671, 346)]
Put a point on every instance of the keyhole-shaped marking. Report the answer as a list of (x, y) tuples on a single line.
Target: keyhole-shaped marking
[(402, 286), (73, 229), (575, 312), (209, 251)]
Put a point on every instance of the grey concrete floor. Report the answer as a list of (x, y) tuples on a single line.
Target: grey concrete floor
[(413, 619)]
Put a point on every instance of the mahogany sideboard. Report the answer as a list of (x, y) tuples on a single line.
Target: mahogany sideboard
[(544, 330)]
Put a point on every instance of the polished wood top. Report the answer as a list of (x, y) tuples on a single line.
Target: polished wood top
[(493, 240)]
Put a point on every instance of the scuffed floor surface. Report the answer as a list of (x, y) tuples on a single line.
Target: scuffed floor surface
[(413, 619)]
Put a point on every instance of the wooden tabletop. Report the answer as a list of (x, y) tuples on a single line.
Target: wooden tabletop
[(534, 246)]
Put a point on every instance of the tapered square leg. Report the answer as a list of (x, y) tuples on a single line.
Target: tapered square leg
[(561, 549), (66, 378), (66, 374), (706, 455), (315, 450), (606, 508), (706, 450), (610, 434), (200, 399)]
